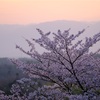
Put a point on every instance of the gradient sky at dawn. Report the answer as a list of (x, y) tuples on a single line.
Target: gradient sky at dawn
[(36, 11)]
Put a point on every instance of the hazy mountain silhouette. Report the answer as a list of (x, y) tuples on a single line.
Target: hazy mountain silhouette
[(10, 35)]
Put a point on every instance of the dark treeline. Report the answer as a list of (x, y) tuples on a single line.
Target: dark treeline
[(9, 73)]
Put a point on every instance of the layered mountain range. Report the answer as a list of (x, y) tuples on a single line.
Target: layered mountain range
[(10, 35)]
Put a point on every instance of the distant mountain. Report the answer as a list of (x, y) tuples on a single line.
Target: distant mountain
[(10, 35)]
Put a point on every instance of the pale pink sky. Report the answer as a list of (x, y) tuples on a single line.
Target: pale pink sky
[(36, 11)]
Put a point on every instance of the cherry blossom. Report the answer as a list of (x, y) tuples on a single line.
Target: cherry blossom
[(68, 66)]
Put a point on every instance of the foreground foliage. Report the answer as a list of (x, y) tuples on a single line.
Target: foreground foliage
[(73, 71)]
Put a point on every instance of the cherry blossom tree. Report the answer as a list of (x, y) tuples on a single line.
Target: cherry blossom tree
[(73, 71)]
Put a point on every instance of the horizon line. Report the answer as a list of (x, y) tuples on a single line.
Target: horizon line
[(49, 22)]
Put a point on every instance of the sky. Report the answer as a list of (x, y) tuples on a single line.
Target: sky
[(26, 12), (37, 11)]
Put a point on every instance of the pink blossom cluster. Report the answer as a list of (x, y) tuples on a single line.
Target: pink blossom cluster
[(69, 67)]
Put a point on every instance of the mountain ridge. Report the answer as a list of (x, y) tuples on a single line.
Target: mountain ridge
[(10, 35)]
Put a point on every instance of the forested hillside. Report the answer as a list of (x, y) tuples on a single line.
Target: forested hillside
[(8, 74)]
